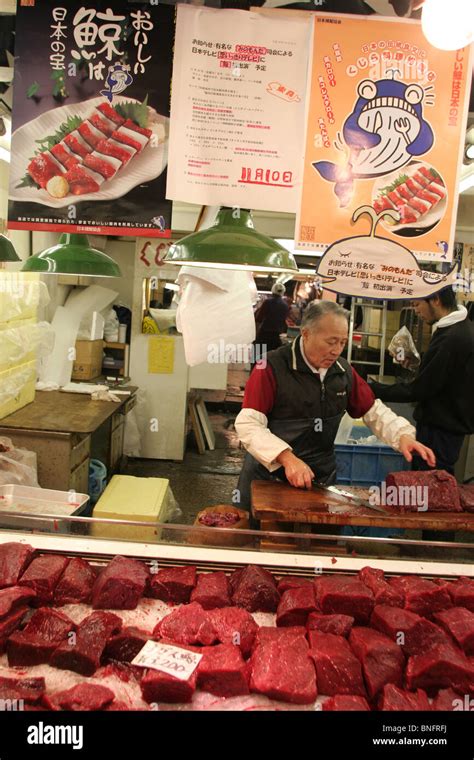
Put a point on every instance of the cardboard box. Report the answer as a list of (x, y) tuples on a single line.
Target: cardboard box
[(88, 362)]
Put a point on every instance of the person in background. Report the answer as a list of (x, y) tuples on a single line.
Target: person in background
[(270, 319)]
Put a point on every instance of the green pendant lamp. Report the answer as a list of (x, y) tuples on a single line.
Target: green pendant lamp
[(73, 255), (7, 251), (232, 242)]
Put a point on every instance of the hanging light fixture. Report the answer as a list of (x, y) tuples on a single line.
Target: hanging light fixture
[(73, 255), (7, 251), (448, 26), (232, 242)]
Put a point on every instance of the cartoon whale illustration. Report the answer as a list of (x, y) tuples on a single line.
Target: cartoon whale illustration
[(118, 79), (383, 258), (384, 131)]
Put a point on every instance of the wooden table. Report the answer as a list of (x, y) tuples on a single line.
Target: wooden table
[(65, 430)]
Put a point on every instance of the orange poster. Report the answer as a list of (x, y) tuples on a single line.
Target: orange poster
[(385, 125)]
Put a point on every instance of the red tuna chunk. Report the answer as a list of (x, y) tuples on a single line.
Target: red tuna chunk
[(338, 625), (91, 637), (189, 624), (286, 636), (10, 623), (212, 590), (84, 696), (422, 596), (157, 686), (126, 644), (382, 661), (120, 585), (256, 590), (448, 699), (42, 168), (46, 630), (295, 606), (393, 698), (223, 671), (382, 591), (14, 559), (289, 582), (413, 633), (283, 672), (13, 597), (466, 495), (173, 584), (80, 181), (345, 596), (30, 690), (462, 593), (234, 626), (442, 490), (346, 702), (459, 622), (442, 667), (76, 583), (43, 575), (338, 670)]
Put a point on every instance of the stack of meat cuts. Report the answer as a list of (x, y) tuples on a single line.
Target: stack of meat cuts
[(412, 196), (69, 636)]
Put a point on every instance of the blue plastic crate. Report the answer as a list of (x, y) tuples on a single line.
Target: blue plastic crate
[(360, 465)]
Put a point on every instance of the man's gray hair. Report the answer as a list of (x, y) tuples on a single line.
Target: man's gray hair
[(318, 309)]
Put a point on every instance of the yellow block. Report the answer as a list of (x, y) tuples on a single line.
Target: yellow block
[(17, 388), (130, 498), (17, 342)]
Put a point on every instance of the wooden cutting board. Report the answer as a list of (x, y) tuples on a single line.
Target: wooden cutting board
[(283, 503)]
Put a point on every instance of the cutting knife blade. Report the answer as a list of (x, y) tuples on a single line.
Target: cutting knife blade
[(354, 499)]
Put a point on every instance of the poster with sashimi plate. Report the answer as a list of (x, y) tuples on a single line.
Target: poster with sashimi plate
[(90, 117)]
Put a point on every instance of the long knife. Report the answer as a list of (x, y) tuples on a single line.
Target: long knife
[(354, 499)]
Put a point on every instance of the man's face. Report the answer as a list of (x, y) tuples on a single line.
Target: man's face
[(325, 342), (425, 311)]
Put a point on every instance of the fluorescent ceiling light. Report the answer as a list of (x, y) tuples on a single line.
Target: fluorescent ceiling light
[(448, 25)]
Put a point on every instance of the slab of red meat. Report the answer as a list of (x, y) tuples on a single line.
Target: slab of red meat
[(9, 624), (346, 702), (126, 644), (45, 631), (466, 496), (120, 585), (90, 135), (459, 622), (158, 686), (30, 690), (223, 671), (80, 181), (338, 625), (338, 670), (189, 624), (415, 634), (77, 145), (234, 579), (212, 590), (422, 596), (111, 148), (142, 130), (234, 625), (91, 637), (442, 490), (173, 584), (462, 593), (256, 590), (64, 156), (43, 575), (286, 636), (110, 113), (382, 591), (13, 597), (42, 168), (289, 582), (345, 596), (442, 667), (382, 661), (100, 165), (446, 700), (83, 697), (14, 559), (122, 137), (76, 583), (283, 672), (295, 606), (393, 698), (101, 124)]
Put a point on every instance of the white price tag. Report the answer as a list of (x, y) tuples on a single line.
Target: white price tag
[(175, 661)]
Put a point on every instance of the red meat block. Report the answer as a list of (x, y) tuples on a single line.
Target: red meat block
[(30, 690), (441, 489), (223, 671), (466, 496), (110, 148), (120, 585), (284, 584), (347, 703), (46, 630), (255, 590), (189, 624), (100, 165), (42, 168), (345, 596), (13, 597), (382, 591), (125, 646), (393, 698), (83, 697), (80, 181), (173, 584), (101, 124), (338, 670), (440, 668), (64, 156), (283, 672), (234, 579), (75, 144), (76, 583), (158, 686), (14, 559), (43, 575), (412, 632), (10, 623), (234, 626), (338, 625), (89, 135), (122, 137), (286, 636), (382, 661), (459, 622), (212, 590), (448, 700), (422, 596), (136, 128), (84, 655), (295, 606), (462, 593), (110, 113)]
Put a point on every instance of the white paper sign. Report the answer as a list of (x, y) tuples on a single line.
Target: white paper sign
[(237, 108), (177, 662)]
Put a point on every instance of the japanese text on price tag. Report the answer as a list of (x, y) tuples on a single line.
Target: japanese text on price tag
[(175, 661)]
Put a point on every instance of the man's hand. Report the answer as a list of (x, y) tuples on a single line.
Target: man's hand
[(409, 445), (297, 472)]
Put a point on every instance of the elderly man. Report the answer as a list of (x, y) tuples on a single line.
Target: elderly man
[(294, 402)]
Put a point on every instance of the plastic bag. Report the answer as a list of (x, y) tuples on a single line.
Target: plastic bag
[(111, 327), (403, 349), (17, 466)]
